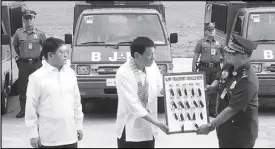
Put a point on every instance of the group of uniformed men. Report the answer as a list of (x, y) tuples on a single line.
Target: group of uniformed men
[(233, 87)]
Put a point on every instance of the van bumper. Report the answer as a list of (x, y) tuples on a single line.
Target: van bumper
[(96, 87), (266, 91), (266, 86)]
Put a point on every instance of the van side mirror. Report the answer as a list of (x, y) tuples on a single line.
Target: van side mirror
[(5, 39), (173, 38), (68, 38)]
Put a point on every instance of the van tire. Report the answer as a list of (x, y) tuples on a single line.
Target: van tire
[(15, 89), (4, 101)]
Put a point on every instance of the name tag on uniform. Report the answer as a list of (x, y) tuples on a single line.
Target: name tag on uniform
[(35, 36), (223, 93), (30, 45), (213, 51)]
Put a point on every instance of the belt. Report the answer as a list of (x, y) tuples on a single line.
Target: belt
[(209, 64), (29, 60)]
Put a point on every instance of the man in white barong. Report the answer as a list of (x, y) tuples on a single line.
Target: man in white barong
[(138, 82), (53, 108)]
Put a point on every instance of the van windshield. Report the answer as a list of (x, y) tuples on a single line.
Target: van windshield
[(115, 28), (261, 27)]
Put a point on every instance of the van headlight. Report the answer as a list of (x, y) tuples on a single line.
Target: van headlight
[(83, 69), (257, 67), (162, 68)]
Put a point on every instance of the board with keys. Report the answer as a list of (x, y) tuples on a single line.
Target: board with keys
[(185, 100)]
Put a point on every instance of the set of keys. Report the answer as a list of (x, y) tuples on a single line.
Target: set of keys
[(185, 93), (181, 117), (195, 125), (186, 104)]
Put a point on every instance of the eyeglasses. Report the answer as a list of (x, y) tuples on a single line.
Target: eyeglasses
[(62, 53), (212, 29), (28, 17)]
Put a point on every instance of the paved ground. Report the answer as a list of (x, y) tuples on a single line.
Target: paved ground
[(99, 127), (99, 132)]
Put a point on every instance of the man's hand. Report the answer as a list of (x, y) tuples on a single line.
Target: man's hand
[(35, 142), (209, 89), (203, 129), (163, 127), (79, 135)]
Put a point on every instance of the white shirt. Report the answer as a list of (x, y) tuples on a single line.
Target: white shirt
[(53, 107), (130, 110)]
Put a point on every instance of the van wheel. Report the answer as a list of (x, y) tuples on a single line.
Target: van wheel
[(4, 101), (15, 89)]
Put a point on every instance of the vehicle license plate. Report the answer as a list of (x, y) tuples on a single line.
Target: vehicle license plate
[(110, 82)]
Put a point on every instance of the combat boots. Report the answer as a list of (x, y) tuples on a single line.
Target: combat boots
[(21, 114)]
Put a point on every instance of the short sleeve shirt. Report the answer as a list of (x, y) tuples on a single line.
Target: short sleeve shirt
[(29, 43), (210, 50)]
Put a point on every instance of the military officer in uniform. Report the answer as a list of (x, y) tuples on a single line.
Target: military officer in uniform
[(237, 84), (210, 52), (27, 43)]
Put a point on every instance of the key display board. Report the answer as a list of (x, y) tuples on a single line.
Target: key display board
[(185, 101)]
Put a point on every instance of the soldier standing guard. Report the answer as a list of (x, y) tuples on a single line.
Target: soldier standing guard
[(27, 43), (210, 52), (238, 85)]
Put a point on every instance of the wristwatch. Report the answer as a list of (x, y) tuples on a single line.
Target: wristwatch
[(210, 127)]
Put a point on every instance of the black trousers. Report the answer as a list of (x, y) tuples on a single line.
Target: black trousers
[(25, 69), (74, 145), (236, 144), (122, 143), (211, 74)]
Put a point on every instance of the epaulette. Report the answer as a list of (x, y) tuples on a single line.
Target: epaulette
[(39, 30), (19, 29), (244, 74)]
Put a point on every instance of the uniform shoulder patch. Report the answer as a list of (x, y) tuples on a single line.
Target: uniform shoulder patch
[(39, 30), (19, 29), (202, 40), (244, 74)]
